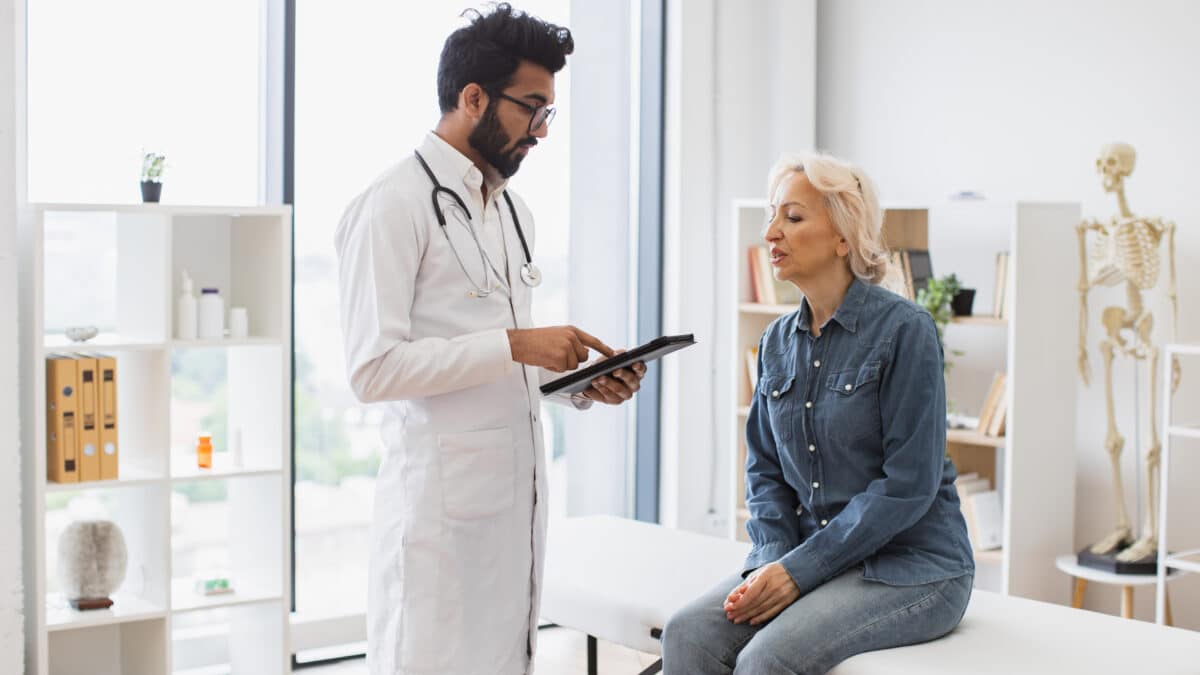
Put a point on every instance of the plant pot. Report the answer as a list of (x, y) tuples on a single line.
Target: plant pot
[(151, 190), (962, 302)]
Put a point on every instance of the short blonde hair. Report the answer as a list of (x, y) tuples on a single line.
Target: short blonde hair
[(852, 204)]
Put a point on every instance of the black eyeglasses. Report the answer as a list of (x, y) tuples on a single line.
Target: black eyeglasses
[(539, 115)]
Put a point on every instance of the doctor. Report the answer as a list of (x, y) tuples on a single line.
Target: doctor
[(436, 278)]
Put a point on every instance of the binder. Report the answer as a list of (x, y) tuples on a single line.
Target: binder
[(62, 465), (106, 382), (89, 420)]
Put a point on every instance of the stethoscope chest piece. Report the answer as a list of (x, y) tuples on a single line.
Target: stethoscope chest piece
[(531, 275)]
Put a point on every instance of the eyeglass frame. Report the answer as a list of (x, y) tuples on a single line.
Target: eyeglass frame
[(550, 111)]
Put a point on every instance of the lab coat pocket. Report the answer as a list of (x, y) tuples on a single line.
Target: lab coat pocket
[(478, 473)]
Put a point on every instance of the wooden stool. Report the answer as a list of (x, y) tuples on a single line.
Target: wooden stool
[(1081, 575)]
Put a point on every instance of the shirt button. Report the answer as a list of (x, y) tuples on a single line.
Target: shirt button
[(816, 485), (775, 394), (824, 523), (849, 387), (817, 363), (812, 448), (808, 404)]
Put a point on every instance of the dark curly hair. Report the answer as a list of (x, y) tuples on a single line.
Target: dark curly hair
[(488, 51)]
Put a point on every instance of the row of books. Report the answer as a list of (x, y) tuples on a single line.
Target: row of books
[(764, 287), (81, 421), (911, 270), (994, 410), (982, 509)]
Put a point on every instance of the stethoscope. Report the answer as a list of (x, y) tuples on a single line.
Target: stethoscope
[(530, 274)]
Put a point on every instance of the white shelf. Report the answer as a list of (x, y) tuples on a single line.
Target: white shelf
[(1184, 431), (185, 599), (769, 310), (973, 437), (226, 342), (978, 321), (104, 342), (246, 253), (1184, 560), (61, 616), (131, 476), (184, 469)]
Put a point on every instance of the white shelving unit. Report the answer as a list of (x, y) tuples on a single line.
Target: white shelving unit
[(1034, 347), (246, 253), (1187, 560)]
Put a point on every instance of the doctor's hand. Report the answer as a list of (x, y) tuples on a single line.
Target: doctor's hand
[(557, 348), (763, 595), (619, 386)]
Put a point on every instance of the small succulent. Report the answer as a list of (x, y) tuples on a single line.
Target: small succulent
[(153, 164)]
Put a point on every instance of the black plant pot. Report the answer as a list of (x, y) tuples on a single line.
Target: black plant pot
[(151, 190), (963, 299)]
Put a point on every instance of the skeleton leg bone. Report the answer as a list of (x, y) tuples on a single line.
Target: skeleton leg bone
[(1147, 544), (1113, 443)]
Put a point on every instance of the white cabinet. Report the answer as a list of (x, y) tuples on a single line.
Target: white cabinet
[(120, 266)]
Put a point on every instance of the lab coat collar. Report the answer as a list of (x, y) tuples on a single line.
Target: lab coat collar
[(444, 156)]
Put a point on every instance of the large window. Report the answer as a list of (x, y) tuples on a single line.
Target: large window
[(365, 95), (110, 80)]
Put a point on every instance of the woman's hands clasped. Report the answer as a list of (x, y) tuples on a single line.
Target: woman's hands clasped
[(764, 594)]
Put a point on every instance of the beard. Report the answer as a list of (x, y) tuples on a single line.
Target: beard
[(489, 140)]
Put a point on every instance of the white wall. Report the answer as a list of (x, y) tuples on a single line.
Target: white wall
[(740, 83), (1014, 100), (11, 628)]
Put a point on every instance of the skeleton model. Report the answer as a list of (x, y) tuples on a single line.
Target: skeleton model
[(1125, 251)]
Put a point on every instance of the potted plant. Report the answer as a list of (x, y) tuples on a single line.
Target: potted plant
[(937, 298), (153, 164)]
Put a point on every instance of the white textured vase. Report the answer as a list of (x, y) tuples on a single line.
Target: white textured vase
[(91, 559)]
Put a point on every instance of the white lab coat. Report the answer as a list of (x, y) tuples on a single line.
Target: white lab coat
[(460, 510)]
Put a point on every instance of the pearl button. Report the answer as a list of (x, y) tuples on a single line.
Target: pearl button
[(808, 404), (812, 448), (824, 523), (775, 394), (849, 387), (816, 484), (817, 363)]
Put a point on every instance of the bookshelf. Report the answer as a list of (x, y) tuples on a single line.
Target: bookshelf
[(132, 256), (1033, 464)]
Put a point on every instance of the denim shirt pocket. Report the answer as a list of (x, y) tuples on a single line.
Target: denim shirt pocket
[(778, 396), (852, 414)]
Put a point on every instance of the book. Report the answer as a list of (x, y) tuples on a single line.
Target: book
[(996, 424), (985, 511), (1000, 293), (966, 486), (752, 369), (920, 270), (988, 408)]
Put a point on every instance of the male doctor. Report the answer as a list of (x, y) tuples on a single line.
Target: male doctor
[(436, 277)]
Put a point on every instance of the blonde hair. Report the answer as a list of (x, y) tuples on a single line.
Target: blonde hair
[(852, 205)]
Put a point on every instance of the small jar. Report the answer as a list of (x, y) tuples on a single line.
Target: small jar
[(212, 314), (204, 451)]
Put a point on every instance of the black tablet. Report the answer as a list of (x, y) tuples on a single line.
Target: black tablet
[(582, 379)]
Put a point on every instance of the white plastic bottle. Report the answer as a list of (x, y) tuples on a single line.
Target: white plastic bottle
[(185, 311), (212, 314)]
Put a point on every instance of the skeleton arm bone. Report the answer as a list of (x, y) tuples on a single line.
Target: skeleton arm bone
[(1085, 369)]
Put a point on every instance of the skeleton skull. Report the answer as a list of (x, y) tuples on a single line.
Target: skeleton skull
[(1115, 164)]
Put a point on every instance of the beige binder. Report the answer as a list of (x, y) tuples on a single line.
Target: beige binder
[(89, 420), (62, 429), (106, 382)]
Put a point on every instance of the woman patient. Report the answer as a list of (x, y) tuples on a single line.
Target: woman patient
[(858, 541)]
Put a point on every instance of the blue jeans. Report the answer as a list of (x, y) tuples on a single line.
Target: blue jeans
[(846, 616)]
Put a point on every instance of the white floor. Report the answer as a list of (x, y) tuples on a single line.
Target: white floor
[(560, 652)]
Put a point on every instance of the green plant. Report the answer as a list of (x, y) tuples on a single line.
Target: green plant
[(935, 298), (152, 167)]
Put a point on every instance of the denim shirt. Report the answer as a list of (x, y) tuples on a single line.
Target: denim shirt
[(846, 447)]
